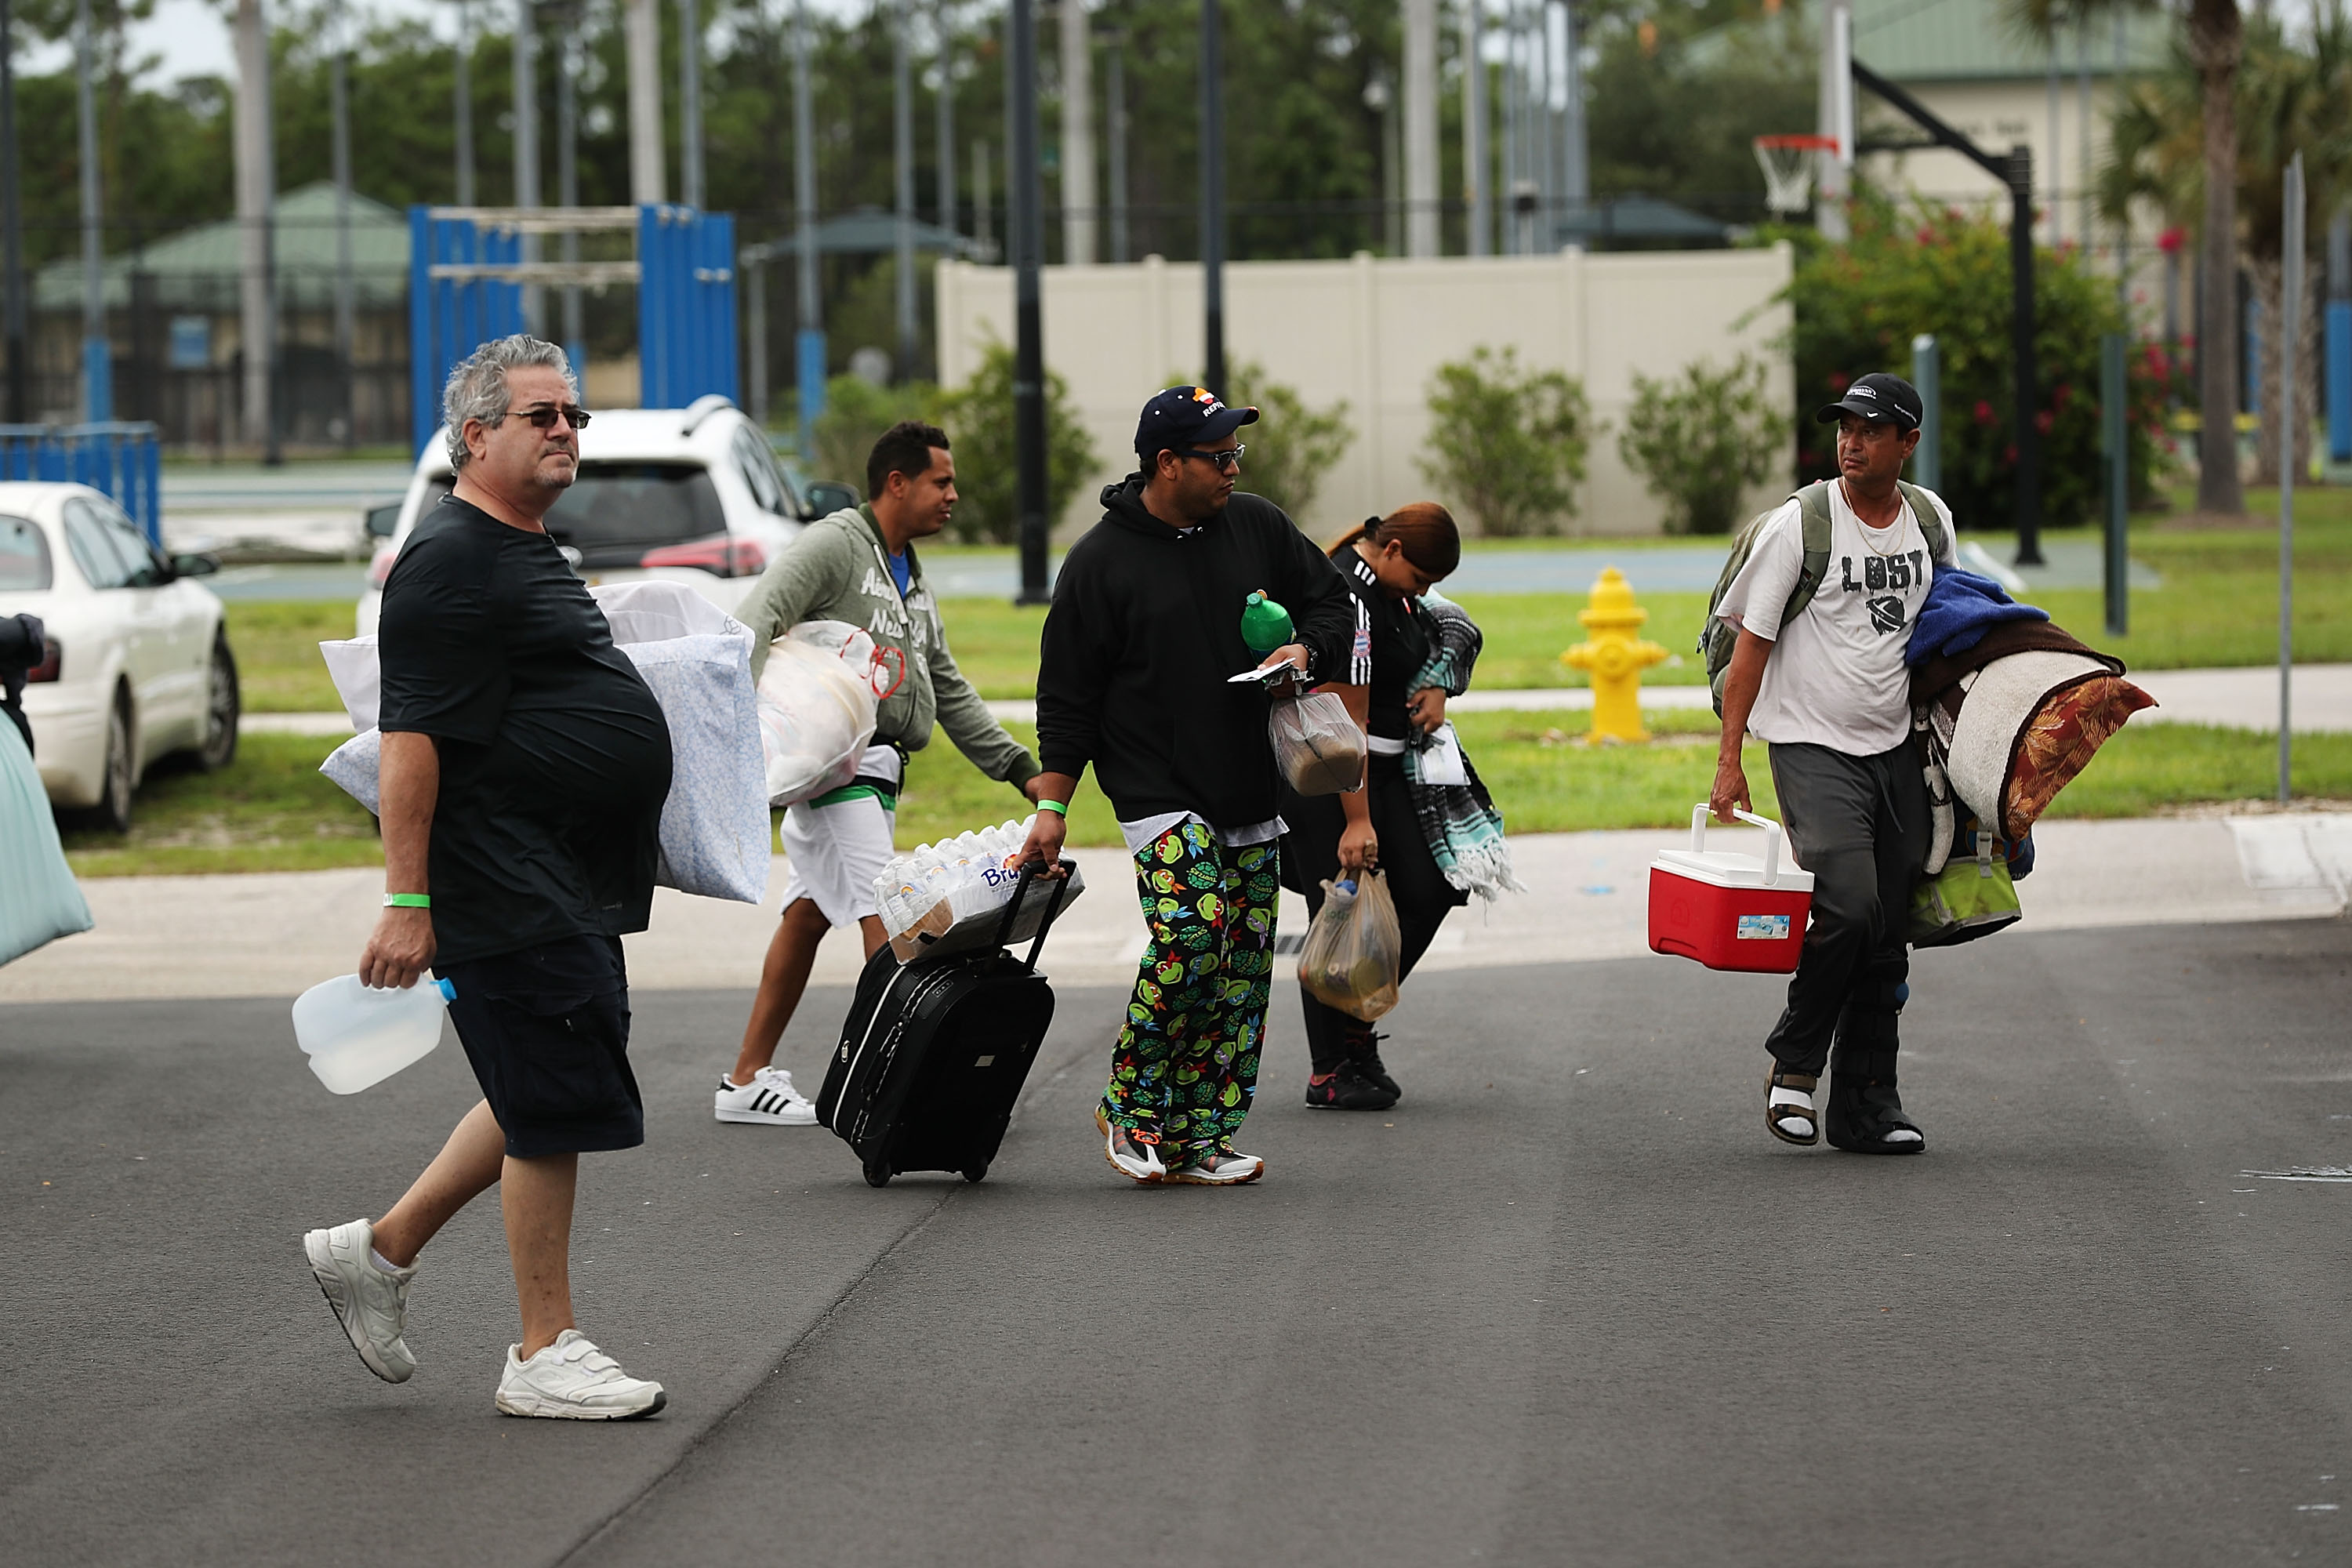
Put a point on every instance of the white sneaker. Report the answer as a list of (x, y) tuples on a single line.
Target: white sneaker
[(370, 1302), (574, 1381), (768, 1099), (1220, 1167)]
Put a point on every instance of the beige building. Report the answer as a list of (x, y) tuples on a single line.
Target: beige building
[(1371, 334)]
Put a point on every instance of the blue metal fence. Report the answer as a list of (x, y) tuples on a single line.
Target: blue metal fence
[(684, 271), (122, 460)]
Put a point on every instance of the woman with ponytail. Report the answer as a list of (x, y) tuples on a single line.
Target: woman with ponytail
[(1388, 564)]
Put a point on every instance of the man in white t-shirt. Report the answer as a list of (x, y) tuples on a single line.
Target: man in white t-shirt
[(1826, 688)]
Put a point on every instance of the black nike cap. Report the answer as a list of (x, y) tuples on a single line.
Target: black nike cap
[(1876, 396)]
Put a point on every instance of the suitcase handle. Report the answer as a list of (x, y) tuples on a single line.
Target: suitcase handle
[(1013, 908), (1771, 837)]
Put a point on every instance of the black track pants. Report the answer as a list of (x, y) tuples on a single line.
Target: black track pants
[(1310, 854), (1860, 825)]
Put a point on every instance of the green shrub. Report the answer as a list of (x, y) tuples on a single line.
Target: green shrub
[(1291, 446), (1935, 269), (979, 419), (1702, 440), (1509, 443)]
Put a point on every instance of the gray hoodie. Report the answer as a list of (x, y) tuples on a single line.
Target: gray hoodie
[(839, 570)]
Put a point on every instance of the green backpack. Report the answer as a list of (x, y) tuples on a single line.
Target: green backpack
[(1717, 636)]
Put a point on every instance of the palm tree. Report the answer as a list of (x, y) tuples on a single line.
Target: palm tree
[(2287, 100), (2215, 40)]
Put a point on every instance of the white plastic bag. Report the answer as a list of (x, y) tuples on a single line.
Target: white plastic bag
[(816, 708), (1317, 744), (949, 898), (697, 660)]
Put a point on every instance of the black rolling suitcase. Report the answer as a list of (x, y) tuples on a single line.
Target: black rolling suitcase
[(934, 1054)]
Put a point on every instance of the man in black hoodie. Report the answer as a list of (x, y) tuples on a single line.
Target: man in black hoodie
[(1134, 677)]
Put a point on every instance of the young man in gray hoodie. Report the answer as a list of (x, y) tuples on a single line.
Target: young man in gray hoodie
[(859, 565)]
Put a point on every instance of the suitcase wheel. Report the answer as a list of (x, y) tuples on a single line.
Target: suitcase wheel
[(975, 1172), (877, 1174)]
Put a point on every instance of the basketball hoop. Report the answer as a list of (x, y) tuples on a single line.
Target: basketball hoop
[(1787, 162)]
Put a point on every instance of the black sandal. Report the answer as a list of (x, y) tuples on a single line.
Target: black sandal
[(1777, 1116)]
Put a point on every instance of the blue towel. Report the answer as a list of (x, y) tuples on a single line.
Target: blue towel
[(1960, 608)]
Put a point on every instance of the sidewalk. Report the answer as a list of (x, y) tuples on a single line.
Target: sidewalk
[(277, 934)]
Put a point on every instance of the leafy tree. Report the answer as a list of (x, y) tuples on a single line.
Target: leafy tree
[(1291, 446), (2290, 97), (1511, 442), (1940, 271), (855, 413), (979, 420), (1703, 439), (2216, 41)]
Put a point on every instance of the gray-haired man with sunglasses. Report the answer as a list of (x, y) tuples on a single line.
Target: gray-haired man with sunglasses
[(525, 764)]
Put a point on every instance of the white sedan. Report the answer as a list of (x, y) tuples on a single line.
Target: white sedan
[(138, 664)]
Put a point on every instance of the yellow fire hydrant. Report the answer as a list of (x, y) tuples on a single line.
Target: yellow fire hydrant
[(1616, 658)]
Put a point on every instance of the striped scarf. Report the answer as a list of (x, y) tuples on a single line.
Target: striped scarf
[(1463, 829)]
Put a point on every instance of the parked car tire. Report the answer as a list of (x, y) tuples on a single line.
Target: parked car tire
[(224, 706), (120, 782)]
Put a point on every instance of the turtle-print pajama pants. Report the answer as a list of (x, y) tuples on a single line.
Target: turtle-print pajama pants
[(1185, 1064)]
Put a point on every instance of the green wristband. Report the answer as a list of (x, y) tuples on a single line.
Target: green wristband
[(1054, 806), (409, 900)]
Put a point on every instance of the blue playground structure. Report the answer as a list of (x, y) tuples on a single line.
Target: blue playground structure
[(124, 461), (468, 268)]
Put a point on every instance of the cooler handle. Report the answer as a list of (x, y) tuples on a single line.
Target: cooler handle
[(1699, 815)]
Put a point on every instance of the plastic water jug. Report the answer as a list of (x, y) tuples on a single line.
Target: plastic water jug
[(359, 1034), (1265, 626)]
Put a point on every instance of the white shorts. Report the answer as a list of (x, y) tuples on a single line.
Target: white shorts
[(832, 853)]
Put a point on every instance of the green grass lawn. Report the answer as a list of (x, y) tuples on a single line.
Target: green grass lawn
[(271, 811), (2219, 605)]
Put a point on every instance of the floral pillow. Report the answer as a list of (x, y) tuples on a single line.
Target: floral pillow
[(2059, 742)]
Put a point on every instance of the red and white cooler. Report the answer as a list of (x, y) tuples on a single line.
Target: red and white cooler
[(1727, 910)]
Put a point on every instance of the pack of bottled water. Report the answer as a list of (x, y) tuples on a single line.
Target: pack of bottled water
[(949, 897)]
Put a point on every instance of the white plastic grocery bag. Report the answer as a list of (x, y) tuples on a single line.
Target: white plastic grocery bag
[(358, 677), (816, 708), (1318, 746), (697, 660)]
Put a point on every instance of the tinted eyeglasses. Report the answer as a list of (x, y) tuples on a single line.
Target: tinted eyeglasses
[(544, 417), (1227, 461)]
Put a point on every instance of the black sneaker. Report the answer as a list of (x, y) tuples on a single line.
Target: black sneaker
[(1348, 1090), (1364, 1055)]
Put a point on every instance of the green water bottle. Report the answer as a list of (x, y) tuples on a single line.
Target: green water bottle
[(1265, 626)]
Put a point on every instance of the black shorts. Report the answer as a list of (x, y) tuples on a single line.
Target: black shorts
[(547, 1029)]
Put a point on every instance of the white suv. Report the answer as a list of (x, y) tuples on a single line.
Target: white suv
[(693, 495)]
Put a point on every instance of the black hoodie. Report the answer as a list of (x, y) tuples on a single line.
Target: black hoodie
[(1146, 629)]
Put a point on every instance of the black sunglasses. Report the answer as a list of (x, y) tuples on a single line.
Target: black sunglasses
[(544, 417), (1227, 461)]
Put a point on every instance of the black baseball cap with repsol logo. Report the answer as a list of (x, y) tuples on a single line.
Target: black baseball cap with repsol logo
[(1186, 418), (1876, 396)]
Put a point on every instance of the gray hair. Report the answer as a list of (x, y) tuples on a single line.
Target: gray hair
[(477, 388)]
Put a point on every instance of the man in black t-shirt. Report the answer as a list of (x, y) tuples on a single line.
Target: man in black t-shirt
[(524, 767)]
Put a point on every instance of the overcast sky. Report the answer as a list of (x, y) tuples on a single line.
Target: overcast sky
[(192, 40)]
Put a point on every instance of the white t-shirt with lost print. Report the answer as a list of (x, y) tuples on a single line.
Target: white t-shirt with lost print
[(1836, 677)]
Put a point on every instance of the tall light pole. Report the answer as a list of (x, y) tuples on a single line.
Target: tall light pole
[(526, 148), (567, 171), (1420, 128), (340, 107), (1115, 138), (12, 227), (97, 349), (1212, 197), (1026, 183), (809, 342), (902, 148), (1478, 178), (647, 166), (943, 120), (462, 99), (1078, 136), (255, 181), (1576, 169), (689, 104)]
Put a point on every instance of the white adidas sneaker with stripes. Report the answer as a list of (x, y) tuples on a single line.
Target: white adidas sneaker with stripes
[(769, 1100)]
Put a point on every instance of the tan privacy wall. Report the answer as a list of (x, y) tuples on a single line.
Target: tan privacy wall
[(1373, 333)]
